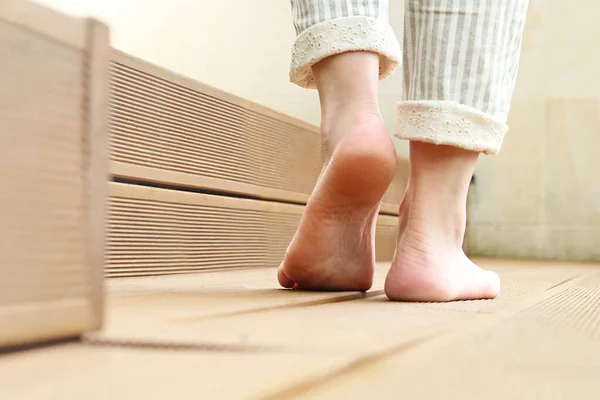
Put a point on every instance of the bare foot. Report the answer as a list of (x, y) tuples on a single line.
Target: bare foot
[(430, 264), (333, 248)]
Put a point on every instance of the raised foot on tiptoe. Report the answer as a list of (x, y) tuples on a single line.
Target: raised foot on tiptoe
[(333, 248)]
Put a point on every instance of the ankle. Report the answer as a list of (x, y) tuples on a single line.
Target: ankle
[(337, 125), (445, 171), (347, 77), (439, 217), (348, 92), (345, 114)]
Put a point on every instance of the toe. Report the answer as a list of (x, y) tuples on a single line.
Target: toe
[(493, 284), (284, 281), (479, 285), (486, 286)]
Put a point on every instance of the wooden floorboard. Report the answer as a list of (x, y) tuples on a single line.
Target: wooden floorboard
[(97, 372), (236, 335), (545, 347)]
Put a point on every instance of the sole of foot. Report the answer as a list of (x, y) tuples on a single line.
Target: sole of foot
[(333, 248)]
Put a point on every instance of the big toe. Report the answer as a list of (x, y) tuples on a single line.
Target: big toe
[(493, 283), (283, 279), (485, 285)]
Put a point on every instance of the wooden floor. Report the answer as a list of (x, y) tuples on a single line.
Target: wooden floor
[(235, 335)]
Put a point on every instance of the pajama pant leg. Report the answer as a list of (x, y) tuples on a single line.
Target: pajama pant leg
[(329, 27), (460, 66), (460, 61)]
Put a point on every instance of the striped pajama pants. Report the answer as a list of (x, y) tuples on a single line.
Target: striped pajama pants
[(460, 61)]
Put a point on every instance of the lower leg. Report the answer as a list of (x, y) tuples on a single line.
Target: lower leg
[(333, 248), (429, 264), (461, 61), (348, 87)]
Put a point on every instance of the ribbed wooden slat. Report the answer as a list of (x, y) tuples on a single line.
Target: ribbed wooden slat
[(169, 129), (53, 172), (159, 231), (386, 235)]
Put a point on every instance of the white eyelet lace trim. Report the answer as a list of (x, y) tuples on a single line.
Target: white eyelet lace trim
[(449, 123), (340, 35)]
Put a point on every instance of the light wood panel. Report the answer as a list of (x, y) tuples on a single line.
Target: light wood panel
[(171, 130), (181, 334), (53, 172), (544, 346), (236, 308), (247, 308), (158, 231), (145, 303), (98, 373)]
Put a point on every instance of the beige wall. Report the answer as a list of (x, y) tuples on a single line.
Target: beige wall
[(540, 197), (241, 46)]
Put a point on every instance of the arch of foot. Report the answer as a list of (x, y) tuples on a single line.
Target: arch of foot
[(328, 27)]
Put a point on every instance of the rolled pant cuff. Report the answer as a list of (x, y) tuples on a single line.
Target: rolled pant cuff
[(449, 123), (341, 35)]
